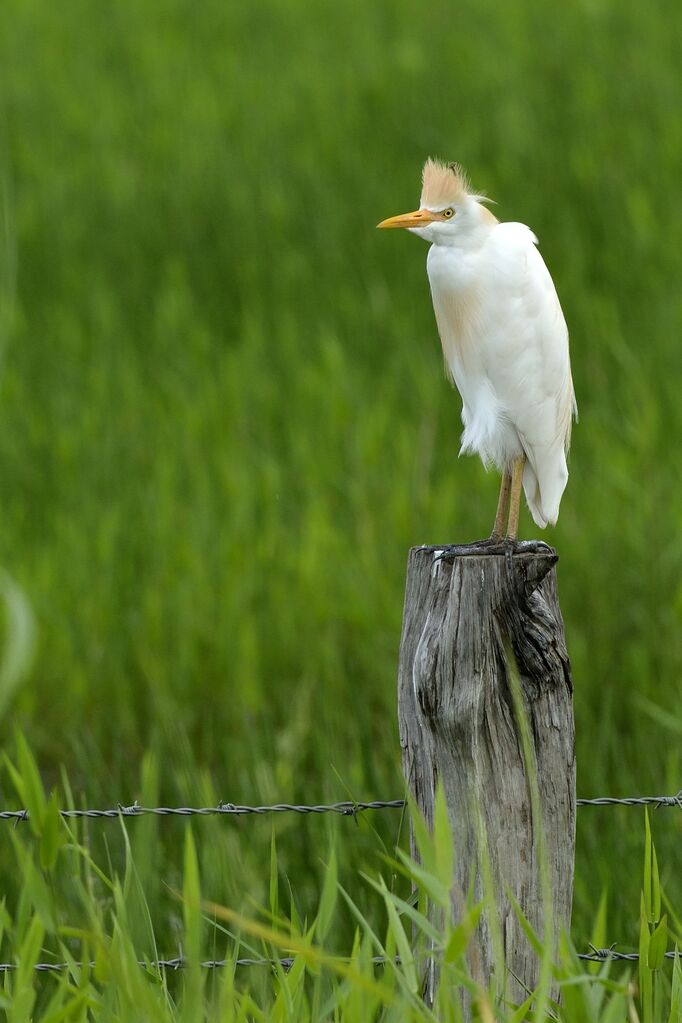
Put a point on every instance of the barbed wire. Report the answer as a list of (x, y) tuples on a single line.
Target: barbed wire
[(346, 808), (596, 955), (176, 963), (656, 801), (343, 809)]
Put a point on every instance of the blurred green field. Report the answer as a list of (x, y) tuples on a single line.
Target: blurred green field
[(223, 416)]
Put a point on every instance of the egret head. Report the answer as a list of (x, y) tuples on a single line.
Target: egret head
[(446, 209)]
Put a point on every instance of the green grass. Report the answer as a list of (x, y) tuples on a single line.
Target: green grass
[(102, 975), (223, 418)]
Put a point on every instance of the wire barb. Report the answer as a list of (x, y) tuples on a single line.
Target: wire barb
[(602, 953)]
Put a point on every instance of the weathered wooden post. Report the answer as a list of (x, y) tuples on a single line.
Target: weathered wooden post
[(465, 610)]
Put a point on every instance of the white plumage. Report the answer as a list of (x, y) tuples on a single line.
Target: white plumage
[(504, 339)]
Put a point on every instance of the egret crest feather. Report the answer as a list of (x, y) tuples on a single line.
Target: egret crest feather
[(443, 184)]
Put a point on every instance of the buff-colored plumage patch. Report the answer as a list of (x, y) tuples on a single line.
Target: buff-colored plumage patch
[(443, 184)]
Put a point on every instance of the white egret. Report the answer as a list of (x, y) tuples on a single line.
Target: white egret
[(504, 339)]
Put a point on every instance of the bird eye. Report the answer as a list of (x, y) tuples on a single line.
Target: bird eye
[(447, 214)]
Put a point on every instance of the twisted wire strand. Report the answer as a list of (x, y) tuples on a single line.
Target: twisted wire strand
[(347, 808), (656, 801)]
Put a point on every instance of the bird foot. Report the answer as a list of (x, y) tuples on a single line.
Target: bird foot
[(491, 545)]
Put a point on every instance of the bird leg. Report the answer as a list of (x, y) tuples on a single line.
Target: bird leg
[(515, 496), (502, 507)]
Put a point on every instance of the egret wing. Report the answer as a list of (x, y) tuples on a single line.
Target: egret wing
[(526, 355)]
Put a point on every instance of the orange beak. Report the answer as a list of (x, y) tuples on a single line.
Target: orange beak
[(420, 218)]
